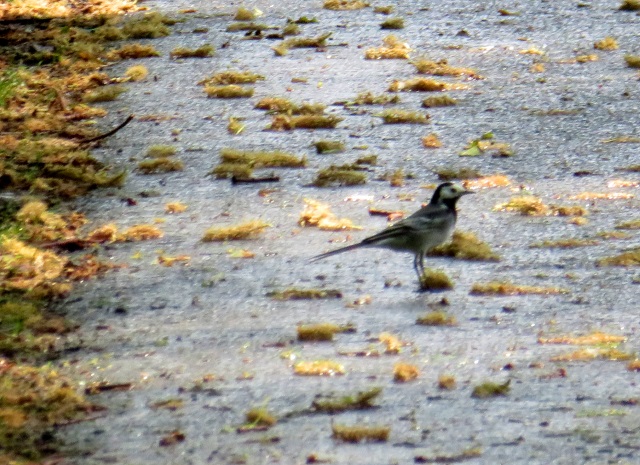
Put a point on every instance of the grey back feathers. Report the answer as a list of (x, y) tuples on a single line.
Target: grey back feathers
[(427, 228)]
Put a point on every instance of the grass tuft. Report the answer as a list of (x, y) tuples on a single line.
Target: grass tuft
[(204, 51), (247, 230)]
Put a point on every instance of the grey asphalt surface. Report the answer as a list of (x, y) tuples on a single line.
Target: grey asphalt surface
[(165, 328)]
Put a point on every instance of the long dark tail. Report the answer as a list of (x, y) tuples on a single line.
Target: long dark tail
[(337, 251)]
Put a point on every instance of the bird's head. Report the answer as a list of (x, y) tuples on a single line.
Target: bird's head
[(449, 193)]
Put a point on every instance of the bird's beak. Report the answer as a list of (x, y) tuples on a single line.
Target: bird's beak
[(468, 192)]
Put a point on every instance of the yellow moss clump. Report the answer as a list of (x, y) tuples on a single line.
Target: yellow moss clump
[(525, 205), (284, 105), (393, 343), (421, 85), (344, 175), (446, 382), (490, 389), (319, 368), (318, 214), (465, 246), (608, 43), (431, 141), (442, 68), (594, 353), (435, 280), (436, 319), (300, 42), (602, 196), (133, 51), (393, 48), (160, 165), (295, 293), (175, 207), (360, 401), (232, 77), (229, 91), (244, 14), (25, 268), (629, 5), (594, 338), (633, 61), (262, 159), (359, 433), (204, 51), (260, 416), (631, 224), (104, 94), (160, 151), (368, 98), (344, 4), (137, 72), (241, 231), (626, 259), (106, 233), (486, 182), (140, 232), (439, 101), (404, 372), (392, 23), (290, 122), (227, 170), (329, 146), (564, 243), (506, 288), (400, 116), (322, 331)]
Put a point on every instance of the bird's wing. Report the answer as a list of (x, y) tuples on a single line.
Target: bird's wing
[(430, 219)]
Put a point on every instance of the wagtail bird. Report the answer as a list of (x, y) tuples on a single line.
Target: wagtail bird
[(427, 228)]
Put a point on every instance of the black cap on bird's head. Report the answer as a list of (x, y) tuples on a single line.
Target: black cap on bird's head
[(448, 193)]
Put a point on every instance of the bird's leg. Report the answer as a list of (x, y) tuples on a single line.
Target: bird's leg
[(416, 266)]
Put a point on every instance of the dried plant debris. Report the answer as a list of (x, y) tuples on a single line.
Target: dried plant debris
[(137, 73), (262, 159), (392, 23), (568, 243), (400, 116), (450, 174), (148, 26), (594, 353), (232, 170), (486, 182), (160, 151), (602, 196), (318, 214), (446, 382), (594, 338), (530, 205), (235, 127), (608, 43), (442, 68), (629, 5), (290, 122), (360, 433), (204, 51), (393, 343), (369, 98), (436, 318), (343, 175), (242, 231), (393, 48), (295, 293), (384, 9), (431, 141), (631, 224), (168, 404), (322, 331), (224, 78), (284, 105), (502, 288), (140, 232), (435, 280), (319, 368), (486, 144), (405, 372), (329, 146), (229, 91), (248, 26), (160, 165), (490, 389), (623, 140), (344, 4), (439, 101), (626, 259), (244, 14), (104, 94), (423, 85), (301, 42), (359, 401), (633, 61), (465, 245), (260, 416), (132, 51)]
